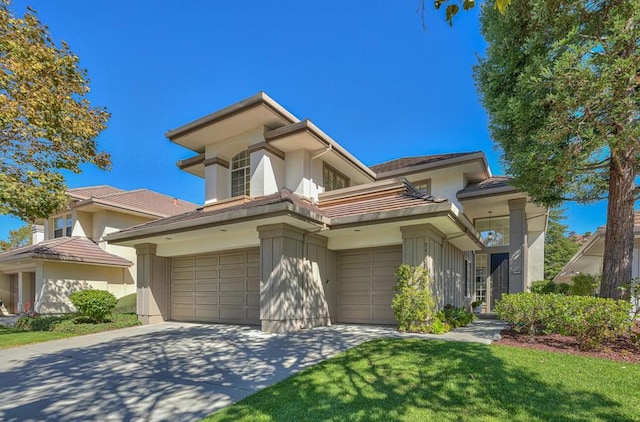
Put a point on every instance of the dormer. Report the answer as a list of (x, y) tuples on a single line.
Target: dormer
[(256, 148)]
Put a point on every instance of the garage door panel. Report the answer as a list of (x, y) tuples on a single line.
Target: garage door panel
[(207, 274), (217, 287), (239, 272), (347, 259), (208, 260), (366, 279)]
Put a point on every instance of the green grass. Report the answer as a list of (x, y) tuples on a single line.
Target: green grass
[(54, 328), (11, 337), (418, 380)]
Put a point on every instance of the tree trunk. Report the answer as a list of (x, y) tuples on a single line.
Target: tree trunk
[(618, 241)]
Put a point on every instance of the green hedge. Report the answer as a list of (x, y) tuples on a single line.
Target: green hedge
[(592, 321), (126, 304), (73, 324)]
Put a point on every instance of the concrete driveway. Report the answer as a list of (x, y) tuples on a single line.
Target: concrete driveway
[(163, 372)]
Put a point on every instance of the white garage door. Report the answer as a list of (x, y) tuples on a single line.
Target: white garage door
[(366, 278), (221, 287)]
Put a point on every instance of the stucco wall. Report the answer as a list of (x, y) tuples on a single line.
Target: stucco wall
[(535, 259), (55, 282)]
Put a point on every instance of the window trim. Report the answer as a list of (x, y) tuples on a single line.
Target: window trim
[(67, 225), (422, 182)]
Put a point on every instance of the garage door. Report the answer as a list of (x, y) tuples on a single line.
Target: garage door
[(366, 278), (221, 287)]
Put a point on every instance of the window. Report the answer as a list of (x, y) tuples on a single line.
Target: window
[(62, 226), (240, 174), (332, 179), (423, 186), (481, 277), (494, 230)]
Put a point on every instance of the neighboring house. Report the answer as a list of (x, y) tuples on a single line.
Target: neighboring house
[(296, 232), (69, 251), (588, 259)]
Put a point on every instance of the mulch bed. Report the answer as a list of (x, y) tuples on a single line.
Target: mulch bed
[(622, 350)]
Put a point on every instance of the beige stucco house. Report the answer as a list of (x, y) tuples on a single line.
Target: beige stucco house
[(588, 259), (69, 253), (297, 232)]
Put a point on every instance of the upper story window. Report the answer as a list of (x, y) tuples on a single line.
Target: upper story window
[(240, 174), (332, 179), (494, 230), (62, 226), (423, 186)]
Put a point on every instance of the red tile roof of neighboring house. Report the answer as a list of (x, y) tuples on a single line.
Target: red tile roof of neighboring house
[(66, 249), (139, 200), (406, 162)]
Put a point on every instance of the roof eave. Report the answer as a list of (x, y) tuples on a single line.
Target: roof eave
[(487, 192)]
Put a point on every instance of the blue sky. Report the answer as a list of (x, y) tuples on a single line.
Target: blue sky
[(364, 71)]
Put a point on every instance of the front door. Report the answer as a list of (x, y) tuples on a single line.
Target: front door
[(499, 276)]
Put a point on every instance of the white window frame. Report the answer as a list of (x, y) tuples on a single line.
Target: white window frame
[(66, 226), (240, 166)]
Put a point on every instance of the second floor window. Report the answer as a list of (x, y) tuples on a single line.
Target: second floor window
[(423, 186), (62, 226), (494, 231), (240, 174), (332, 179)]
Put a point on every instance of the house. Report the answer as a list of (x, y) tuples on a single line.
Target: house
[(69, 253), (296, 232), (588, 259)]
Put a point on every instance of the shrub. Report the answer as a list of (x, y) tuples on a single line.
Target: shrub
[(413, 305), (592, 321), (562, 288), (455, 317), (542, 287), (96, 305), (126, 305), (583, 285), (80, 325), (41, 323)]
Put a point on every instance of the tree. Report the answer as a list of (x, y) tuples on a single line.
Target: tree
[(558, 248), (17, 238), (453, 7), (561, 85), (46, 122)]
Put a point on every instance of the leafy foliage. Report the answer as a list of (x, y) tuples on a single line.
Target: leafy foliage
[(455, 317), (558, 248), (126, 305), (413, 305), (17, 238), (583, 285), (96, 305), (546, 287), (561, 87), (592, 321), (46, 122), (72, 324)]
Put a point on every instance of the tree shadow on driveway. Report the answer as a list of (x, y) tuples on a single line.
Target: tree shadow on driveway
[(174, 372)]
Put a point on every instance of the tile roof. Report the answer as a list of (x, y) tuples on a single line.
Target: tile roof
[(399, 196), (66, 249), (406, 162), (494, 182), (139, 200)]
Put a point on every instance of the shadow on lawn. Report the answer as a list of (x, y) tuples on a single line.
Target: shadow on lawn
[(453, 381)]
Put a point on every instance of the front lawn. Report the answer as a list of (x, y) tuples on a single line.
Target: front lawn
[(426, 380), (36, 330), (11, 337)]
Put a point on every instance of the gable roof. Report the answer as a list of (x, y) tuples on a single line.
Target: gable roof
[(143, 201), (66, 249), (409, 162)]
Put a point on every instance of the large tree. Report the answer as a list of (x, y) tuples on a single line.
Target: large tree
[(558, 247), (17, 238), (561, 85), (46, 121)]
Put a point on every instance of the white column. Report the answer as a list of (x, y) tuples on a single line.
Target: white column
[(20, 297)]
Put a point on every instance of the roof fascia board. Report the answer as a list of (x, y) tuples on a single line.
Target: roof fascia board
[(256, 100), (117, 207), (450, 162), (502, 190), (309, 127)]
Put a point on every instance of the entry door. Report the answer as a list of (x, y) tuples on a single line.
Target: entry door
[(499, 276)]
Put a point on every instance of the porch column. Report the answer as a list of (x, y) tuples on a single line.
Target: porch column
[(20, 294), (292, 295), (517, 245), (153, 286)]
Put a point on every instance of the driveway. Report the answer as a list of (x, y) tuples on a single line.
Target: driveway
[(162, 372)]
